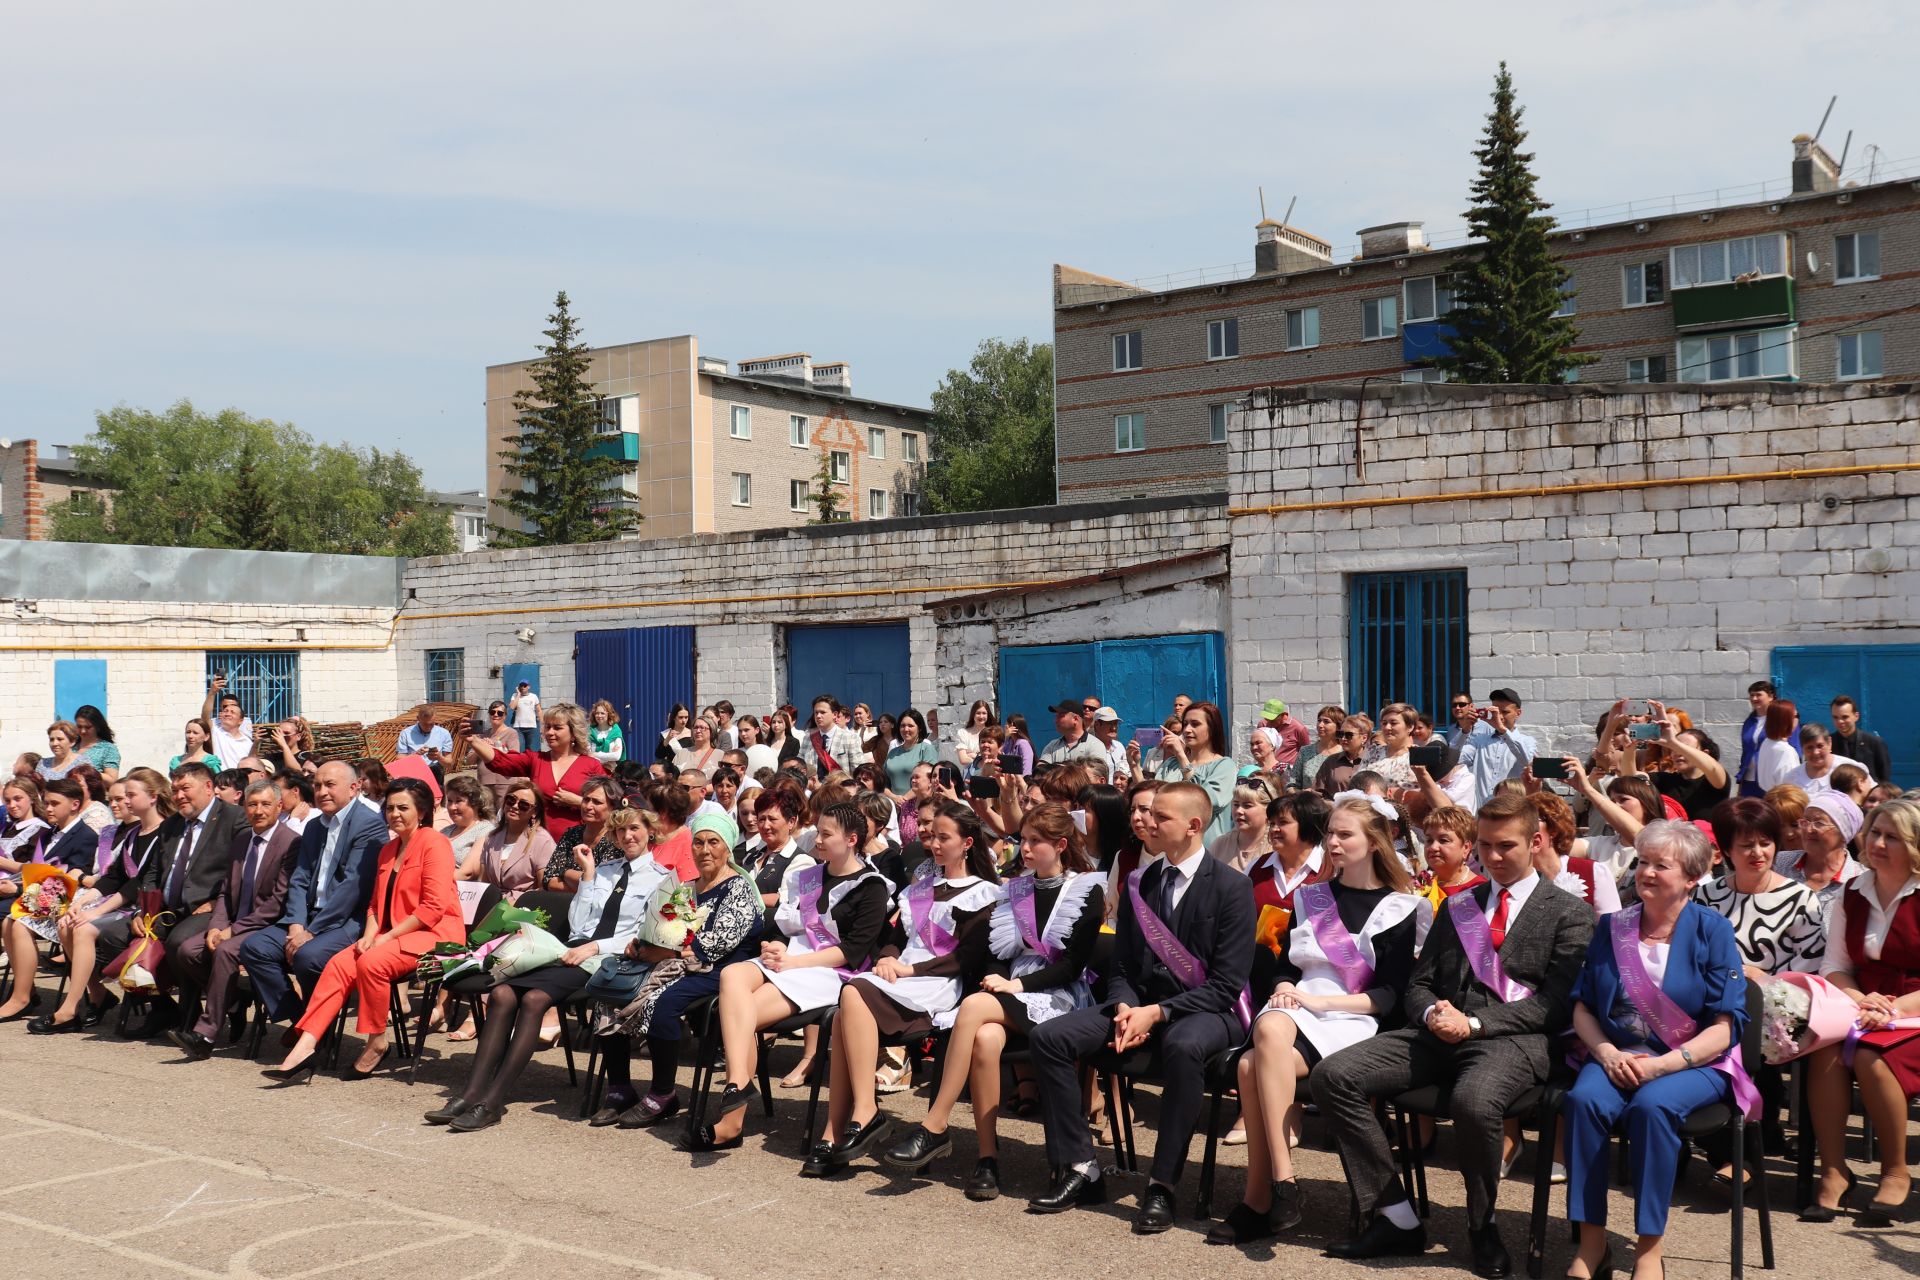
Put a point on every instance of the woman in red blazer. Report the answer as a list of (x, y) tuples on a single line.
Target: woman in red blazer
[(415, 905)]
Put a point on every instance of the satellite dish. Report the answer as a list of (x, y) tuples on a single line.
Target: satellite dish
[(5, 443), (1813, 263)]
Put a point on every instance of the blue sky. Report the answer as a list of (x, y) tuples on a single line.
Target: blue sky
[(339, 215)]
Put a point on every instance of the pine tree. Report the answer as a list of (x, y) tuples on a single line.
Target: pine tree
[(1506, 292), (570, 495), (826, 496)]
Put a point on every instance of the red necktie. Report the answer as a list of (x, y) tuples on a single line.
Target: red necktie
[(1497, 927)]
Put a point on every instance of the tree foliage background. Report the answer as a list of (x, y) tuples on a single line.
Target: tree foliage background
[(552, 450), (183, 478), (993, 431)]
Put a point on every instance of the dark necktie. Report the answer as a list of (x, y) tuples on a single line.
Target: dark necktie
[(1164, 892), (177, 874), (1497, 927), (610, 914), (247, 874)]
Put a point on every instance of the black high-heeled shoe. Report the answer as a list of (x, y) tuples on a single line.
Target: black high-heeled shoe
[(1817, 1212), (1882, 1213), (351, 1072), (287, 1075), (1603, 1270)]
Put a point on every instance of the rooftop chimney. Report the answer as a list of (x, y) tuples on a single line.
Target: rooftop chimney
[(1393, 239), (712, 364), (835, 375), (1279, 249), (1813, 169)]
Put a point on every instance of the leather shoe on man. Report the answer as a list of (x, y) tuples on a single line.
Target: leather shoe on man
[(1382, 1239), (1071, 1189), (191, 1043), (1156, 1212), (1490, 1259)]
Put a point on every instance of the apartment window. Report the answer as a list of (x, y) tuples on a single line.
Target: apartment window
[(1856, 257), (1645, 284), (1223, 339), (909, 504), (1566, 301), (474, 526), (607, 414), (1647, 369), (1129, 432), (741, 428), (1217, 423), (446, 675), (1379, 318), (1726, 260), (1126, 352), (742, 489), (909, 446), (1423, 375), (840, 465), (876, 504), (1860, 355), (797, 431), (1763, 353), (1428, 298), (797, 495), (1303, 328), (876, 442)]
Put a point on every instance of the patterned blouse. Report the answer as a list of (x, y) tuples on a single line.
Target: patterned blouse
[(1781, 930), (562, 860)]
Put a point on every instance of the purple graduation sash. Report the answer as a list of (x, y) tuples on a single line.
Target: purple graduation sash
[(1021, 896), (809, 891), (1315, 902), (1667, 1019), (1854, 1032), (919, 897), (1184, 965), (1476, 939)]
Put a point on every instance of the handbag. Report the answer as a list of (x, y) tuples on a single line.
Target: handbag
[(141, 968), (618, 980)]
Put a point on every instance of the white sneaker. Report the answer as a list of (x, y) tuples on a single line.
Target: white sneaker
[(1558, 1176)]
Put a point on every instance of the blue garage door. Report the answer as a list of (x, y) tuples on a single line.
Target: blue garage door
[(867, 664), (642, 671), (1138, 678), (1883, 678)]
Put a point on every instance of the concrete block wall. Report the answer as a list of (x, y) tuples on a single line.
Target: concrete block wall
[(1677, 592)]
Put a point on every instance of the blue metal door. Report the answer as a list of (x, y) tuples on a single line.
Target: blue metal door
[(1408, 640), (642, 671), (1883, 678), (511, 674), (1139, 678), (869, 664), (79, 682)]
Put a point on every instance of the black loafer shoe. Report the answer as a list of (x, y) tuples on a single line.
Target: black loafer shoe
[(985, 1183), (918, 1149), (477, 1116), (860, 1139), (703, 1138), (822, 1162), (1071, 1189), (1156, 1211), (44, 1025), (605, 1116), (649, 1112), (1382, 1239), (91, 1014), (1289, 1207), (1241, 1226), (1490, 1259), (452, 1110), (191, 1043)]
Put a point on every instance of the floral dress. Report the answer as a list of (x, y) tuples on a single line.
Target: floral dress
[(604, 851), (732, 930)]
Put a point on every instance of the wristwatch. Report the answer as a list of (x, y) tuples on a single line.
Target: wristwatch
[(1686, 1055), (1473, 1025)]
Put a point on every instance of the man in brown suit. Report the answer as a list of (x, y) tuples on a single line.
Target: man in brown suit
[(250, 898)]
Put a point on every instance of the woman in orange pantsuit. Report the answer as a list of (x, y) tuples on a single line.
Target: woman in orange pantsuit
[(415, 906)]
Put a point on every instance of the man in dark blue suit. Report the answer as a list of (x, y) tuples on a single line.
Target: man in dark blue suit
[(1182, 954), (327, 895)]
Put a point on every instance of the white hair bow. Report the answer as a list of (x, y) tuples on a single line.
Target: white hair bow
[(1374, 803)]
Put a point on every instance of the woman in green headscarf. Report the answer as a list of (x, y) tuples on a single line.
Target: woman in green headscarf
[(730, 932)]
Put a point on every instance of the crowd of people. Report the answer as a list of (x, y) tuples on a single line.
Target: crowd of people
[(1335, 914)]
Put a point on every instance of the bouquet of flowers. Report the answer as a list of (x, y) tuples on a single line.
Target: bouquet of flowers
[(1800, 1013), (672, 914), (504, 919), (45, 894)]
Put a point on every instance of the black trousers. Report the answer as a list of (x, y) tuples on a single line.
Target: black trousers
[(1182, 1048)]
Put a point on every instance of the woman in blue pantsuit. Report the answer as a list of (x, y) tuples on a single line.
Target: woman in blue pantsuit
[(1661, 1007)]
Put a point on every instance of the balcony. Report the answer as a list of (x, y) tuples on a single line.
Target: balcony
[(624, 447), (1425, 340), (1767, 300)]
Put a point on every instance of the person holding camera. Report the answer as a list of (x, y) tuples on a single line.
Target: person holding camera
[(232, 731), (1504, 752)]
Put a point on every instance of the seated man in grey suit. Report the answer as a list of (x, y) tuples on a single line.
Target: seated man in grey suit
[(196, 847), (1492, 988)]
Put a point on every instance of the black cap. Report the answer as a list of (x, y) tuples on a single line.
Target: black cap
[(1068, 708), (1505, 695)]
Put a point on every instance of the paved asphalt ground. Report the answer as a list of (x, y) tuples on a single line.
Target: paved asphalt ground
[(121, 1160)]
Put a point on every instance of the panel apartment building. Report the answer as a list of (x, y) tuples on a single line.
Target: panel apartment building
[(712, 450), (1820, 284)]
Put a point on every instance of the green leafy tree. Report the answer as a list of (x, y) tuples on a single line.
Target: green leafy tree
[(566, 491), (183, 478), (1506, 291), (993, 431), (825, 494)]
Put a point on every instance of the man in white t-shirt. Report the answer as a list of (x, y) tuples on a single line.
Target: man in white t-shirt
[(526, 716), (232, 730)]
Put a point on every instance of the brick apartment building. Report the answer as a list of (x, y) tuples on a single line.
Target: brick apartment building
[(1820, 284), (34, 480), (714, 450)]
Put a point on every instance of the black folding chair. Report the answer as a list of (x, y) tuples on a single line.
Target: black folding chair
[(1119, 1073), (460, 990)]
